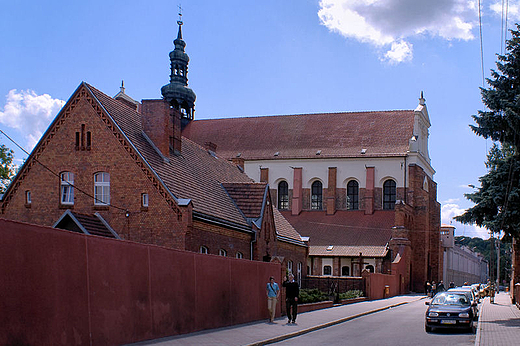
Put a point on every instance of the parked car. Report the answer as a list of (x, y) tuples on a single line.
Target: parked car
[(450, 310), (471, 296)]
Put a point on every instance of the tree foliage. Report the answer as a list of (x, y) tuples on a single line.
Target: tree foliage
[(497, 200), (7, 169)]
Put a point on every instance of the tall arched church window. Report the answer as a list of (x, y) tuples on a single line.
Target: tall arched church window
[(353, 195), (316, 195), (283, 195), (389, 193)]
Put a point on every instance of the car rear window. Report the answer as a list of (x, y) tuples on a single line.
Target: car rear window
[(450, 299)]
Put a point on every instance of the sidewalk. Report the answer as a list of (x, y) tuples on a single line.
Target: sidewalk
[(261, 333), (499, 323)]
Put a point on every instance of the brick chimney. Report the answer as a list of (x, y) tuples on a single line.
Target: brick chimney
[(162, 124)]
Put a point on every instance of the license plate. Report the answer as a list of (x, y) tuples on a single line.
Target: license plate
[(448, 322)]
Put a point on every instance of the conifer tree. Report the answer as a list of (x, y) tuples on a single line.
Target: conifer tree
[(497, 200)]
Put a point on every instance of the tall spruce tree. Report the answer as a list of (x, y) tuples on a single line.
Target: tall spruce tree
[(497, 200)]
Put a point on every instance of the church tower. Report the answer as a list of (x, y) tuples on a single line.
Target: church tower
[(177, 92)]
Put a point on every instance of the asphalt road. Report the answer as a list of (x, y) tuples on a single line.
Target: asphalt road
[(403, 325)]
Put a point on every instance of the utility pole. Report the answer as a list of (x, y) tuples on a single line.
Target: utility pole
[(491, 256), (498, 260)]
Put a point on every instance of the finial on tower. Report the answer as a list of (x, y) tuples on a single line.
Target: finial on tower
[(180, 15), (122, 86), (422, 100)]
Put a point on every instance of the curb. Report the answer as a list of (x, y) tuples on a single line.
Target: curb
[(479, 325), (325, 325)]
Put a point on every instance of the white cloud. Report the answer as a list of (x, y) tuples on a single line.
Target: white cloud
[(513, 10), (450, 210), (401, 51), (29, 113), (384, 23)]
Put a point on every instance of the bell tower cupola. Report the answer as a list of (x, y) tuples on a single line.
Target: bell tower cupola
[(177, 92)]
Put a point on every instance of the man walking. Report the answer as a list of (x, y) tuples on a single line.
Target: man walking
[(273, 291), (292, 291)]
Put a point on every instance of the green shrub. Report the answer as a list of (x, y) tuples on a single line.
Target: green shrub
[(312, 296), (351, 294)]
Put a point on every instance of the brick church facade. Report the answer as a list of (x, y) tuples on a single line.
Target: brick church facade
[(119, 168)]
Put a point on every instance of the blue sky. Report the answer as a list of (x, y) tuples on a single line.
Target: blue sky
[(264, 58)]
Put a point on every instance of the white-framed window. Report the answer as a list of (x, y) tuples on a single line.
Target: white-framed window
[(67, 188), (299, 272), (28, 197), (239, 255), (102, 188), (327, 270), (222, 252), (290, 266), (204, 250), (144, 200)]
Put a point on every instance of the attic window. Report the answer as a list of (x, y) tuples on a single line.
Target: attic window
[(144, 200), (318, 152), (330, 247), (363, 151), (277, 153), (27, 198)]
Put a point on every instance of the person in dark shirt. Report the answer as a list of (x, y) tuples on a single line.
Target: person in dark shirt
[(292, 292)]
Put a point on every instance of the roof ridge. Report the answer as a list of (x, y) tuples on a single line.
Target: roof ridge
[(306, 114)]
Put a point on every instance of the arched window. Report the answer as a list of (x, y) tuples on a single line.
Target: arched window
[(102, 188), (327, 270), (353, 195), (370, 268), (204, 250), (316, 195), (239, 255), (389, 194), (67, 188), (222, 252), (283, 195), (345, 271)]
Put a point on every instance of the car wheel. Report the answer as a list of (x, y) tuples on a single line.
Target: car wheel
[(428, 329)]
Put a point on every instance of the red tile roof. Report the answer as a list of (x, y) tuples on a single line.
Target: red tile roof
[(284, 229), (383, 133), (195, 174), (348, 230), (249, 197)]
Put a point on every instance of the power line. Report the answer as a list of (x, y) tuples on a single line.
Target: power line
[(481, 41), (58, 175)]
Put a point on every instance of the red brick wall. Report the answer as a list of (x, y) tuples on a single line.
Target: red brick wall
[(215, 238), (64, 288), (158, 224)]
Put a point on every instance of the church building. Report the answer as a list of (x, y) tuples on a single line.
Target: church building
[(119, 168)]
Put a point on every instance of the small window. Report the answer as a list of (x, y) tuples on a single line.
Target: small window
[(370, 268), (283, 195), (77, 140), (27, 197), (144, 200), (345, 271), (222, 252), (353, 195), (290, 266), (299, 272), (89, 140), (389, 194), (317, 195), (239, 255), (327, 270), (67, 188), (203, 250), (102, 188)]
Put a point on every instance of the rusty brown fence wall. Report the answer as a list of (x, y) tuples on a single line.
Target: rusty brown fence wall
[(63, 288)]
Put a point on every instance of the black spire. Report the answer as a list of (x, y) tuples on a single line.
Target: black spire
[(177, 92)]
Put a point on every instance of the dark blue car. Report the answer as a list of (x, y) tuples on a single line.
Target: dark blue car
[(450, 310)]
